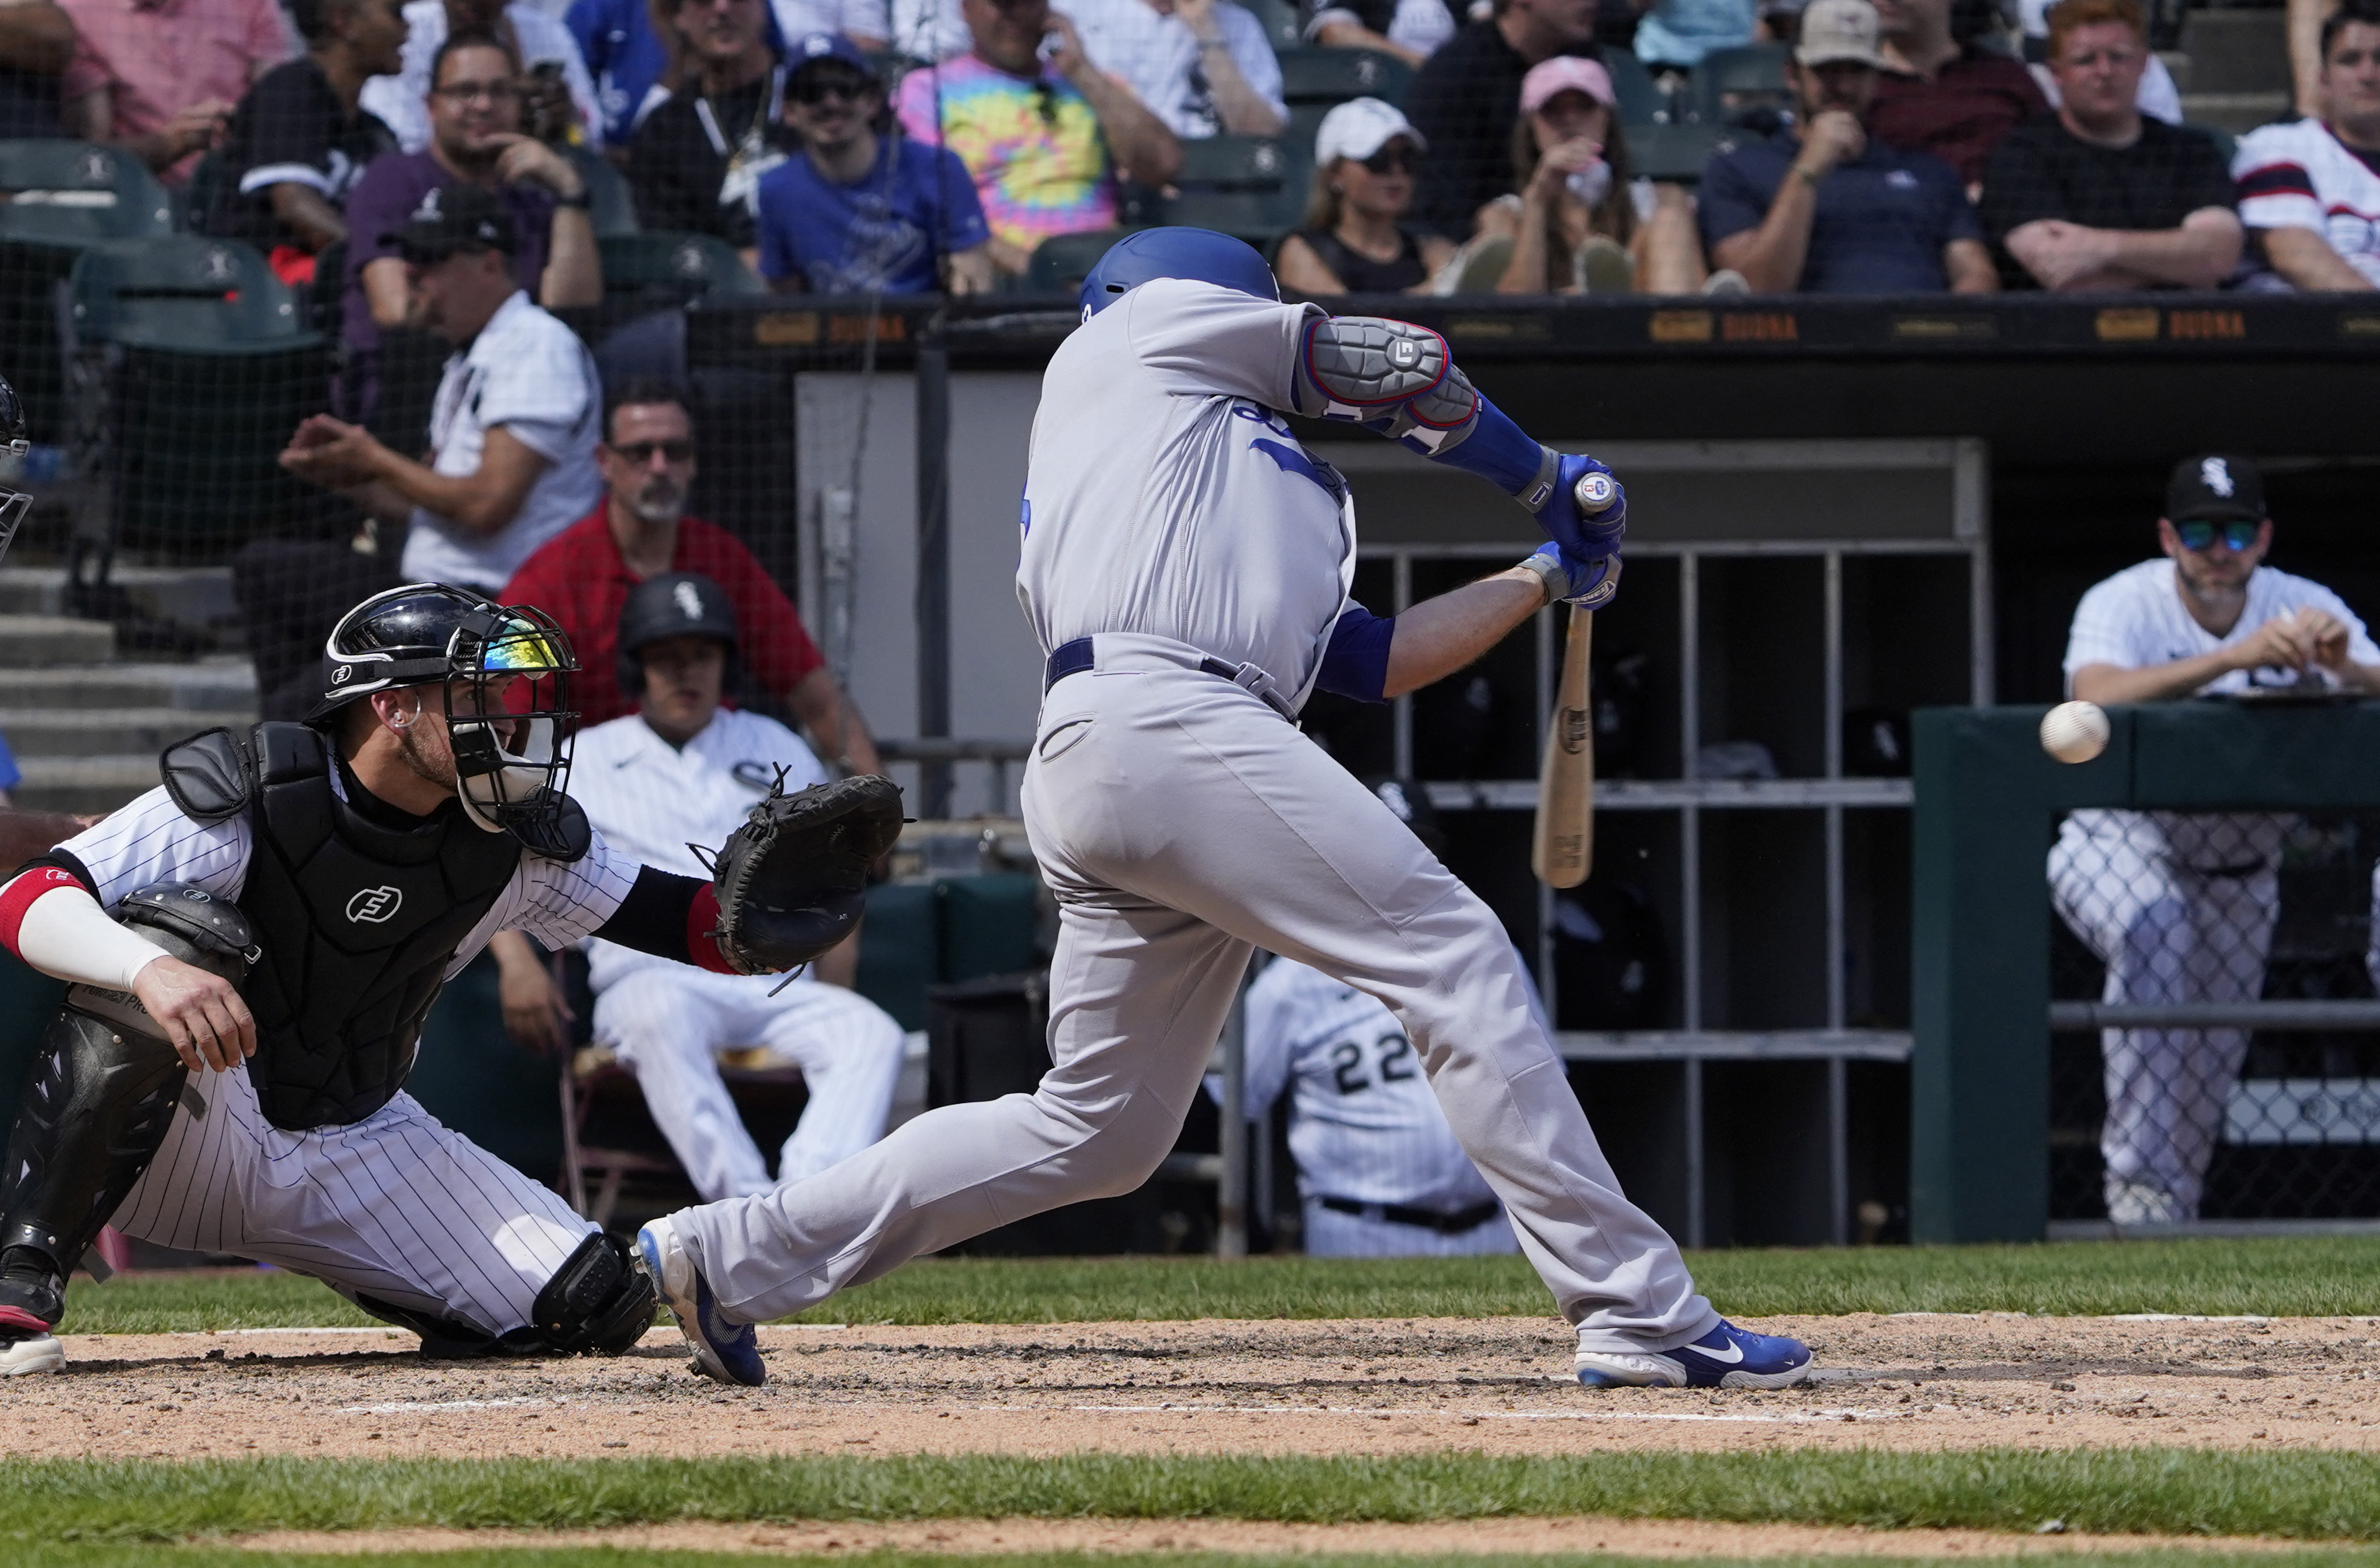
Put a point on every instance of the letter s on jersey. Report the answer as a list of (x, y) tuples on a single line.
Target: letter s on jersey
[(374, 905)]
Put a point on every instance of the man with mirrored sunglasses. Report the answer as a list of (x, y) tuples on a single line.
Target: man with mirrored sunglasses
[(2180, 906), (859, 211)]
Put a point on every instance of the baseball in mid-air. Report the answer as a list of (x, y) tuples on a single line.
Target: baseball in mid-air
[(2074, 732)]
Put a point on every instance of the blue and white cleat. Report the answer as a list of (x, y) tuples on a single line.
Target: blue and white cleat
[(1727, 1358), (729, 1352)]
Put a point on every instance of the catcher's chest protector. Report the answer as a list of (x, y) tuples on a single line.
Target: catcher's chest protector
[(358, 922)]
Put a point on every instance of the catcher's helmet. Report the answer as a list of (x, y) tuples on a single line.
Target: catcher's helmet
[(1198, 254), (504, 674), (672, 605), (14, 503)]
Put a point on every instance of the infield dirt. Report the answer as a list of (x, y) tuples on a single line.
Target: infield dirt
[(1498, 1385)]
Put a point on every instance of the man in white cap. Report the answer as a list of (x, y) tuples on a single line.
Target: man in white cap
[(1366, 154), (1831, 210)]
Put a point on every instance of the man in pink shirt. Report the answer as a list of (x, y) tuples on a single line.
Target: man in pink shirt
[(159, 78)]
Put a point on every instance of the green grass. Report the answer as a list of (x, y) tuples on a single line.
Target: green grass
[(2311, 1276), (150, 1556), (2300, 1495)]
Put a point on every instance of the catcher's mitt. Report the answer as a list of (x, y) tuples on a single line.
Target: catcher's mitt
[(790, 881)]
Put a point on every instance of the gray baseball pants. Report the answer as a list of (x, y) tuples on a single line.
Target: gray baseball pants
[(1180, 823)]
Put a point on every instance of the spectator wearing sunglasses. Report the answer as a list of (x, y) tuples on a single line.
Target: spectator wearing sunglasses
[(1365, 155), (2180, 906), (860, 212), (2310, 189), (583, 576), (1576, 222), (1044, 141)]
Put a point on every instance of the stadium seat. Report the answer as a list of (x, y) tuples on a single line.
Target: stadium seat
[(188, 366), (613, 208), (1732, 82), (1284, 27), (56, 198), (1061, 263), (1641, 102), (1254, 187), (1314, 75), (673, 268), (1674, 154)]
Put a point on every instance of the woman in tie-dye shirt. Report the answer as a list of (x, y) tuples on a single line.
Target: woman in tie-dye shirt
[(1045, 141)]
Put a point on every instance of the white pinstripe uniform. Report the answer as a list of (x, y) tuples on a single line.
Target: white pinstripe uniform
[(394, 1205), (1363, 1126), (667, 1020)]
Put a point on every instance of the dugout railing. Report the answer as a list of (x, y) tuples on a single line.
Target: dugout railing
[(2001, 1072)]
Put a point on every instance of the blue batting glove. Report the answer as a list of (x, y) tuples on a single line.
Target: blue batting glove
[(1591, 536), (1583, 585)]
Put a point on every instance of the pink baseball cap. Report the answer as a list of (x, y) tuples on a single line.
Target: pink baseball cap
[(1566, 73)]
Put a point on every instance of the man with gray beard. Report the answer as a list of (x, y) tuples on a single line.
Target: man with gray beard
[(583, 576)]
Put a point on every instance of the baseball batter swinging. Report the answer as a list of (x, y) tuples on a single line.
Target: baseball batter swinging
[(1185, 564)]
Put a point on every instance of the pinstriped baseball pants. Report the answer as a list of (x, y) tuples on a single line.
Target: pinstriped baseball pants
[(394, 1205), (1180, 821)]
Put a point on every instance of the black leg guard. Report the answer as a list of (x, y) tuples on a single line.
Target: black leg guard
[(447, 1339), (93, 1114), (599, 1301)]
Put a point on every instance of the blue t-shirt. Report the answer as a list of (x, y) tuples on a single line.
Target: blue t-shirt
[(1679, 32), (9, 776), (1883, 218), (879, 233), (627, 58)]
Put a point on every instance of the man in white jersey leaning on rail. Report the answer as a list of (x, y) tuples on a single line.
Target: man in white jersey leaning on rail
[(1186, 565), (253, 946), (682, 770), (2180, 905)]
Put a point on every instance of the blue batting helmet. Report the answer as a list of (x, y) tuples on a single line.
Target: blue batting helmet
[(1198, 254)]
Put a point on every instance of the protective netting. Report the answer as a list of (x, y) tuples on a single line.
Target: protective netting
[(2159, 1124)]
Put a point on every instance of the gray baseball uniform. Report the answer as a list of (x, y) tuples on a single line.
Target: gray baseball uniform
[(1172, 516)]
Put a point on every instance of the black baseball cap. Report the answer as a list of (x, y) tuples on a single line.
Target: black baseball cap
[(2215, 488), (453, 218)]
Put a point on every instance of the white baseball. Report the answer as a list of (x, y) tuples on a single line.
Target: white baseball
[(2074, 732)]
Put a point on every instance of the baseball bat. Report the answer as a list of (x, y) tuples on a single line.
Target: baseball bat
[(1562, 851)]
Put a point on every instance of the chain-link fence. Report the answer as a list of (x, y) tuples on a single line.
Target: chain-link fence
[(2237, 1106)]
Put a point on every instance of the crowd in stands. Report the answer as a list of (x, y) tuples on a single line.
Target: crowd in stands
[(916, 146)]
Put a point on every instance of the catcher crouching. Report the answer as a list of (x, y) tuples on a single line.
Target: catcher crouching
[(252, 947)]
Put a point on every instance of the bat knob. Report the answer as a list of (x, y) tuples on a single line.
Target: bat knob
[(1594, 492)]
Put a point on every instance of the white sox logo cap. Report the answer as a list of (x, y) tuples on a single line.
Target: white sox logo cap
[(374, 905)]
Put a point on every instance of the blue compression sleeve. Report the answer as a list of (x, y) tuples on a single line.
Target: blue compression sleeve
[(1498, 451), (1356, 663)]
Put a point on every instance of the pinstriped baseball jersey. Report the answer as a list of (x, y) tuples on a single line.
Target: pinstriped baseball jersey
[(1363, 1121), (1166, 496), (151, 841), (651, 800)]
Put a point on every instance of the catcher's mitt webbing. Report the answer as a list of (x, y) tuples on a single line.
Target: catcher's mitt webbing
[(790, 881)]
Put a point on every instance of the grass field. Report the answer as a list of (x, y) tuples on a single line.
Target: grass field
[(2300, 1495), (2314, 1276), (121, 1556)]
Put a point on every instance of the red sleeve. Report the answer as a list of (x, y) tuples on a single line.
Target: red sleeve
[(776, 648)]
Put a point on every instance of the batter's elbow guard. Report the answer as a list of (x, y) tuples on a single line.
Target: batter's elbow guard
[(600, 1301), (1393, 377)]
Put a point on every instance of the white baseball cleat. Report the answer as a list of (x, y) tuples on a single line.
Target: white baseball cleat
[(24, 1350), (725, 1350)]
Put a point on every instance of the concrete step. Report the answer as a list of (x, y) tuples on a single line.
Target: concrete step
[(82, 784), (196, 596), (40, 642), (2238, 51), (213, 685), (2237, 112), (101, 732)]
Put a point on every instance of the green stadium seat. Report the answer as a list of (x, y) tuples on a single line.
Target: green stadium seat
[(673, 268), (2225, 143), (56, 197), (611, 208), (1641, 102), (76, 193), (1730, 82), (1673, 153), (1254, 187), (1310, 74), (189, 366), (1284, 27), (1061, 263)]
